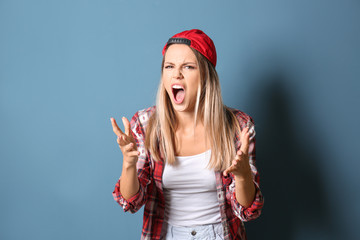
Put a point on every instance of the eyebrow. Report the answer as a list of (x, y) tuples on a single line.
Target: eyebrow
[(182, 63)]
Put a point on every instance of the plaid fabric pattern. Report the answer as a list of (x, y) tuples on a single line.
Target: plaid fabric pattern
[(151, 192)]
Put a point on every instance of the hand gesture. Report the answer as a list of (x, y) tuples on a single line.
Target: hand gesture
[(240, 166), (126, 142)]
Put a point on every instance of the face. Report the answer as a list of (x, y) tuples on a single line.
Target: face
[(181, 77)]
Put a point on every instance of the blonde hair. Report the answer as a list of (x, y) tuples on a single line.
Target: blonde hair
[(219, 121)]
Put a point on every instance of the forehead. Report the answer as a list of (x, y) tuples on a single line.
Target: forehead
[(179, 53)]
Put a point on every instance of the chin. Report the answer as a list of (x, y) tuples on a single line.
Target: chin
[(183, 108), (178, 108)]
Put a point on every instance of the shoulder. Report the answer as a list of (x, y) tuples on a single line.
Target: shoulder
[(241, 116), (244, 120), (142, 117)]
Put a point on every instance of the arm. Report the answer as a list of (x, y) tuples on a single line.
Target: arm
[(245, 189), (246, 197), (130, 184), (130, 190)]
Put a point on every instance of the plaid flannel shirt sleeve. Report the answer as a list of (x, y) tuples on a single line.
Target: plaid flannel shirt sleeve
[(254, 211), (143, 168)]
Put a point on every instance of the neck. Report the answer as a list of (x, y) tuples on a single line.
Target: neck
[(186, 120)]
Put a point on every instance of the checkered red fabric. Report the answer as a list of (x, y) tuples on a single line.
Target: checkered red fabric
[(151, 192)]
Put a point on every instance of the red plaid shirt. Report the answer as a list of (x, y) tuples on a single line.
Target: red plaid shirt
[(151, 190)]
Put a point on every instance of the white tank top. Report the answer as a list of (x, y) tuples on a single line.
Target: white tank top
[(190, 192)]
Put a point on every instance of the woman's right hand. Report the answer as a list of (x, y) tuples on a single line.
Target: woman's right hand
[(126, 142)]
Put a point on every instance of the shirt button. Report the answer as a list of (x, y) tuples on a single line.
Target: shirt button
[(193, 232)]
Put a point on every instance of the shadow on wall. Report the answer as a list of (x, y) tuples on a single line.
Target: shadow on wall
[(290, 178)]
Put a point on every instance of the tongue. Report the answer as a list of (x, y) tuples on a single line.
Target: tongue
[(179, 95)]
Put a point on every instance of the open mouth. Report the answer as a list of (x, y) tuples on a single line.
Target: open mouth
[(178, 93)]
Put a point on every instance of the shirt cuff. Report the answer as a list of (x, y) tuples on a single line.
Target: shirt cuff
[(133, 204), (251, 212)]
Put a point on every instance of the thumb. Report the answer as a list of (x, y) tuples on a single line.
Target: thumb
[(226, 172)]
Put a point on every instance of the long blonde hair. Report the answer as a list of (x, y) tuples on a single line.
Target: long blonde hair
[(220, 123)]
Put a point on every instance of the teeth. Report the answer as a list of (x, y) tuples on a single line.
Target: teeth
[(177, 87)]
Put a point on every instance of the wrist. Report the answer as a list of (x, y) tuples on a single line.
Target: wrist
[(129, 166), (246, 176)]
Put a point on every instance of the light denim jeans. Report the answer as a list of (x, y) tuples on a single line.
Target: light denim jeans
[(202, 232)]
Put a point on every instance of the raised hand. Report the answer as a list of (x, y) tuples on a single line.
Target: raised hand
[(126, 142), (240, 166)]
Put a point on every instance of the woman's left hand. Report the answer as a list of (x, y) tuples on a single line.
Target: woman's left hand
[(240, 166)]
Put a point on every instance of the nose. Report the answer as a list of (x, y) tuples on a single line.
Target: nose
[(177, 73)]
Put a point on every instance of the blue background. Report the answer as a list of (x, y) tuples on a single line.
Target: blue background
[(66, 67)]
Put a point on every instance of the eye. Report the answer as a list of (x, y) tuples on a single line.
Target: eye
[(189, 67), (168, 66)]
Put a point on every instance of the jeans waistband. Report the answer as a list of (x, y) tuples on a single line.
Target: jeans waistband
[(204, 232)]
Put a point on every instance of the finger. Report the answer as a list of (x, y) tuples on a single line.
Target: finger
[(229, 170), (129, 147), (116, 128), (241, 157), (244, 133), (235, 163), (225, 173), (245, 129), (133, 154), (122, 140), (240, 154), (245, 141), (126, 125)]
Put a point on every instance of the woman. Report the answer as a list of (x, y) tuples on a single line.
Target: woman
[(190, 159)]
